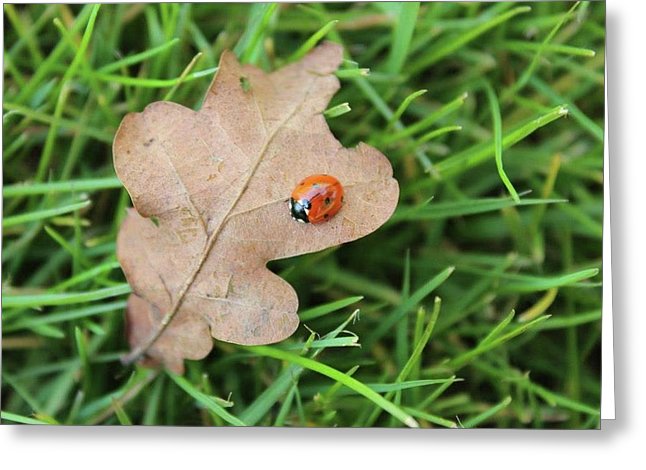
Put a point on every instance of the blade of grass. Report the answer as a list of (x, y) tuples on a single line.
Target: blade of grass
[(33, 301), (529, 71), (86, 275), (586, 123), (82, 349), (286, 379), (521, 283), (121, 414), (417, 413), (247, 48), (319, 311), (449, 45), (136, 58), (44, 70), (368, 90), (28, 217), (402, 108), (391, 388), (539, 307), (309, 44), (464, 358), (182, 78), (408, 304), (70, 125), (436, 133), (16, 418), (557, 48), (59, 317), (476, 155), (494, 107), (500, 327), (46, 155), (337, 110), (485, 415), (427, 121), (401, 36), (575, 320), (205, 400), (414, 358), (153, 82), (338, 376), (445, 210), (342, 342)]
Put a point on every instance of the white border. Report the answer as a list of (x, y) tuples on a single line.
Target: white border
[(179, 448)]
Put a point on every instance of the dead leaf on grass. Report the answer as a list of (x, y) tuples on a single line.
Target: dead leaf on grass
[(210, 191)]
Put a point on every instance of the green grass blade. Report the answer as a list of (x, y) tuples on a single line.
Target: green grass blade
[(391, 388), (557, 48), (153, 82), (43, 165), (436, 133), (402, 35), (15, 418), (428, 121), (449, 45), (321, 310), (403, 107), (45, 69), (139, 57), (414, 358), (59, 317), (494, 107), (475, 156), (446, 423), (527, 74), (368, 90), (205, 400), (586, 123), (121, 414), (556, 399), (338, 110), (309, 44), (485, 415), (493, 334), (445, 210), (338, 376), (520, 283), (286, 379), (572, 321), (463, 359), (80, 127), (407, 305), (41, 300), (247, 48), (44, 214)]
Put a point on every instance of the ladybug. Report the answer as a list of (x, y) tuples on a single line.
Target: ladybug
[(316, 199)]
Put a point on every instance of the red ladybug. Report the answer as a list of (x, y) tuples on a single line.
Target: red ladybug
[(316, 199)]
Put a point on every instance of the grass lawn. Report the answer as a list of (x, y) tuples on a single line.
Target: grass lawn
[(477, 305)]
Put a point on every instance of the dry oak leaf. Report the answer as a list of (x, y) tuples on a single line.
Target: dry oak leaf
[(210, 189)]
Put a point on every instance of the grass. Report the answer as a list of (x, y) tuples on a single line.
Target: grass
[(477, 305)]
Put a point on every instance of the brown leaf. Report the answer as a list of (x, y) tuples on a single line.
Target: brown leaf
[(210, 189)]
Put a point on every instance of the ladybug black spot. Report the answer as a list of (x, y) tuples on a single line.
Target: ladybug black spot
[(325, 216)]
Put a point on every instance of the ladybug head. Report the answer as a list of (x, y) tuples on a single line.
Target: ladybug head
[(300, 210)]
